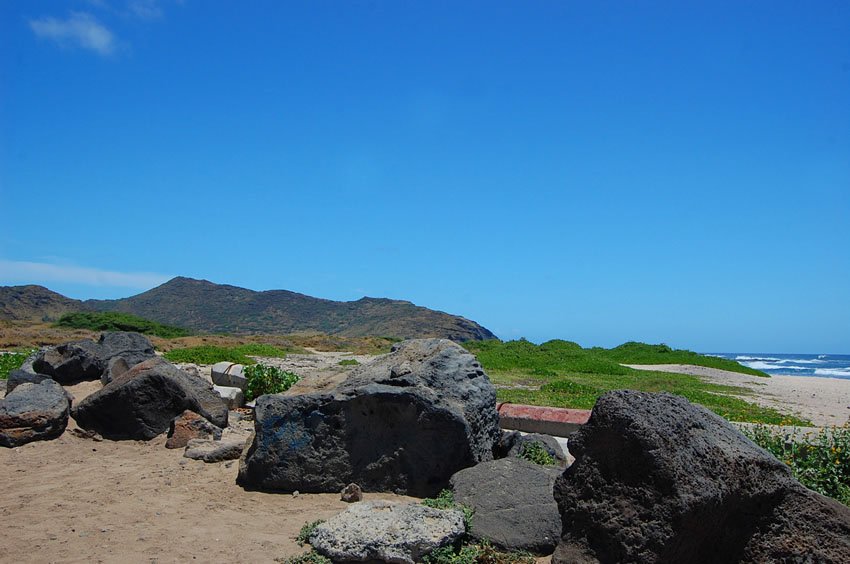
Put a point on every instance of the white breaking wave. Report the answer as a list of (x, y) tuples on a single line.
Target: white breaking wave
[(845, 372), (759, 365), (802, 361), (768, 358)]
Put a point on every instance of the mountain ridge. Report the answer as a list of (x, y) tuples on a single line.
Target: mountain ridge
[(205, 306)]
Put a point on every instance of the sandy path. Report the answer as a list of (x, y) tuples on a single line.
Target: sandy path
[(823, 401), (77, 500)]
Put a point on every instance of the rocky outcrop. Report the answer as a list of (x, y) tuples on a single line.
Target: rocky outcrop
[(385, 531), (33, 412), (404, 422), (123, 350), (187, 426), (513, 504), (72, 362), (657, 479), (141, 403)]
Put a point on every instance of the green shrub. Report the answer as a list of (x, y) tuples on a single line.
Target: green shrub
[(535, 452), (11, 361), (116, 321), (264, 379), (208, 354), (348, 362), (821, 462), (446, 500), (481, 553), (306, 531), (311, 557), (261, 349)]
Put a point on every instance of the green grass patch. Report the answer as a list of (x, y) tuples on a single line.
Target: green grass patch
[(262, 349), (535, 452), (563, 374), (348, 362), (641, 353), (116, 321), (11, 361), (821, 462)]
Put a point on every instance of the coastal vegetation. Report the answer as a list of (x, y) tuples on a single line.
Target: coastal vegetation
[(821, 461), (116, 321), (11, 361), (263, 379), (563, 374), (238, 354)]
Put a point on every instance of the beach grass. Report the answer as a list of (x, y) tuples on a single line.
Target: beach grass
[(116, 321), (563, 374)]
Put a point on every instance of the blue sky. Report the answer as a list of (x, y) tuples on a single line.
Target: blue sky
[(595, 171)]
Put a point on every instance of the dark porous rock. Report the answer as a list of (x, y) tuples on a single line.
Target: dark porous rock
[(657, 479), (123, 350), (513, 503), (404, 422), (189, 425), (33, 412), (513, 444), (18, 377), (351, 493), (73, 362), (141, 403)]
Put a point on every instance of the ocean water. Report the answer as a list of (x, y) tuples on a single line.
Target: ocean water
[(824, 365)]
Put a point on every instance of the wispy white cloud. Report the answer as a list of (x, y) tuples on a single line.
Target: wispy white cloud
[(23, 272), (145, 9), (79, 30)]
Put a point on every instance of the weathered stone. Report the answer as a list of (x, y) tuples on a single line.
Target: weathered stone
[(514, 443), (141, 403), (215, 451), (404, 422), (69, 363), (387, 532), (513, 503), (189, 425), (351, 493), (229, 375), (657, 479), (18, 377), (233, 397), (123, 350), (33, 412)]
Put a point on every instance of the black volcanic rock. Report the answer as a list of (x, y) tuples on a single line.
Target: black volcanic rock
[(404, 422), (33, 412), (657, 479)]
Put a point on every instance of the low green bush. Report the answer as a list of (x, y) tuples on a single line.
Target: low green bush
[(821, 462), (535, 452), (264, 379), (11, 361), (348, 362), (208, 354), (116, 321), (306, 531)]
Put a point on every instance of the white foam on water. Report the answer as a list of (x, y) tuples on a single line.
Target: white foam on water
[(802, 361), (840, 372), (757, 358)]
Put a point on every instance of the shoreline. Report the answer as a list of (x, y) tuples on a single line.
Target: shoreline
[(823, 400)]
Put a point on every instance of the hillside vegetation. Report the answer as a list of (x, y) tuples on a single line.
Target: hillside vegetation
[(114, 321), (563, 374)]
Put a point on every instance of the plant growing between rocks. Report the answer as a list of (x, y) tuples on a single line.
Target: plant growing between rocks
[(11, 361), (306, 531), (535, 452), (264, 379)]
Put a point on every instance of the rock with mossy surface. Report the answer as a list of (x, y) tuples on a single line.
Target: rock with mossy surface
[(404, 422), (658, 479)]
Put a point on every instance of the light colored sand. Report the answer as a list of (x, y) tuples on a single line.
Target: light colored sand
[(823, 401), (77, 500)]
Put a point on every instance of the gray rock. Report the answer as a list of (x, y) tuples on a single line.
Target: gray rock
[(385, 531), (229, 375), (33, 412), (233, 397), (27, 366), (215, 451), (657, 479), (404, 422), (513, 504), (18, 377), (123, 350), (73, 362), (141, 403), (513, 444)]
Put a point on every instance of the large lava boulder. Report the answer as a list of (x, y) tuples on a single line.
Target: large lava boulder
[(657, 479), (33, 412), (142, 402), (121, 351), (404, 422), (513, 504), (72, 362)]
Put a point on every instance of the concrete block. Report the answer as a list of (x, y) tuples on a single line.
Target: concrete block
[(231, 395), (229, 374)]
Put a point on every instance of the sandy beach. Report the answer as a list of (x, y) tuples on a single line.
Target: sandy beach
[(823, 401)]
